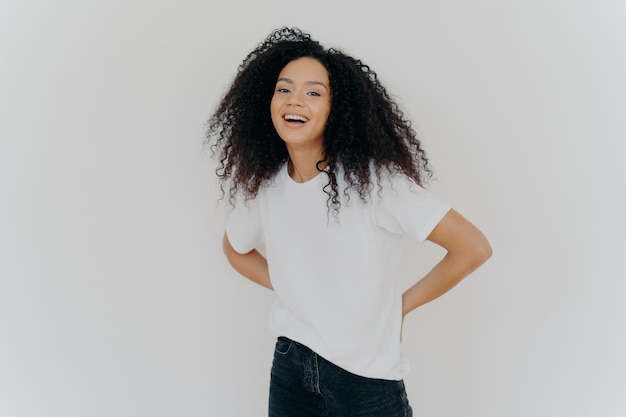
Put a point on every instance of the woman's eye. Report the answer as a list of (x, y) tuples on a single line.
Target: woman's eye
[(283, 90), (314, 93)]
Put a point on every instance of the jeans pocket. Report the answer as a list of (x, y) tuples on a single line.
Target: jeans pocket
[(404, 398), (283, 345)]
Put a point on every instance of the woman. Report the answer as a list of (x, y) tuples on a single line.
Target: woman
[(326, 176)]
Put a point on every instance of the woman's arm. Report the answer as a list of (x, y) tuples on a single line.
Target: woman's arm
[(467, 249), (251, 265)]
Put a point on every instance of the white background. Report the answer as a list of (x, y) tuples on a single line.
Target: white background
[(115, 299)]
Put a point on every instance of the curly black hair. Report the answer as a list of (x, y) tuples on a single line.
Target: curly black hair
[(365, 126)]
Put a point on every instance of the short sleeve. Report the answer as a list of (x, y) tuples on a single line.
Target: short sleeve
[(244, 228), (405, 208)]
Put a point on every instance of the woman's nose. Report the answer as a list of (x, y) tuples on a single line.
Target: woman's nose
[(295, 98)]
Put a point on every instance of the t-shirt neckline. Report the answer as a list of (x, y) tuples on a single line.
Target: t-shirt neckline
[(313, 180)]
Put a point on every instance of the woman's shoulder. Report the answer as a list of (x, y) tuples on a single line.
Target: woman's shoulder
[(387, 178)]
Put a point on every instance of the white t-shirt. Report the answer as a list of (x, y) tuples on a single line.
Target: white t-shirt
[(336, 277)]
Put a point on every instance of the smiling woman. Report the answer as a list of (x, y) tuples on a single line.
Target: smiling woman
[(305, 134), (300, 108)]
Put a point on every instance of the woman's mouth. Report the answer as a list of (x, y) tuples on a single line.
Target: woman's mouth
[(295, 118)]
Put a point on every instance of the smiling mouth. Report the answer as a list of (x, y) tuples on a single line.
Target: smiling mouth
[(295, 118)]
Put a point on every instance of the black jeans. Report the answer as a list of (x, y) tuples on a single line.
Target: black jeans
[(303, 384)]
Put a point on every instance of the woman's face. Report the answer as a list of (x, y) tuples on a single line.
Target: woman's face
[(301, 103)]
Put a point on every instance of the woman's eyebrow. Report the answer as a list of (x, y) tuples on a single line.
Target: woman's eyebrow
[(290, 81)]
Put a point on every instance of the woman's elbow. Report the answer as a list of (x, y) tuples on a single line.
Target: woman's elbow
[(482, 251)]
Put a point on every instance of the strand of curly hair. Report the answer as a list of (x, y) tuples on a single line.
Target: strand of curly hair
[(365, 125)]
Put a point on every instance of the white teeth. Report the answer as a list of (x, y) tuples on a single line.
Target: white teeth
[(295, 117)]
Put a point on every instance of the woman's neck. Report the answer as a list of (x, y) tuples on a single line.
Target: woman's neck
[(303, 166)]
